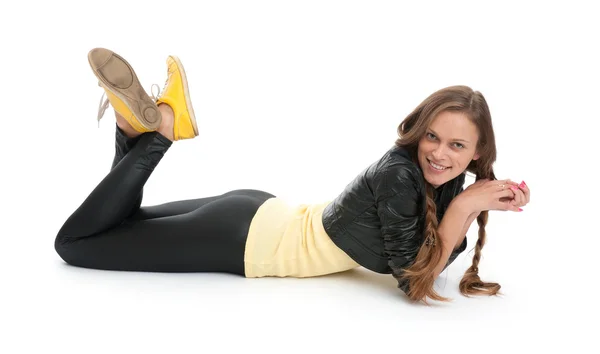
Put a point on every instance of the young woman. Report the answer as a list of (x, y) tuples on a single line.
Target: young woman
[(406, 214)]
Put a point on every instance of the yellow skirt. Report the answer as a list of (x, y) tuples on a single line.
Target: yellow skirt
[(290, 241)]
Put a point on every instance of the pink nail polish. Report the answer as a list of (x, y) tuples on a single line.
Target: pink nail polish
[(520, 209), (522, 184), (514, 188)]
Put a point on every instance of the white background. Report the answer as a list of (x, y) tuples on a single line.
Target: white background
[(296, 98)]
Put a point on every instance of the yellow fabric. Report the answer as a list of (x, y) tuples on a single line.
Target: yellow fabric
[(176, 96), (289, 241), (121, 107)]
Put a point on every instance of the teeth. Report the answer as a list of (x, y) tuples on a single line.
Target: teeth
[(437, 167)]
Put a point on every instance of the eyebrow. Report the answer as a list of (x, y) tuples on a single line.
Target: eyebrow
[(465, 141)]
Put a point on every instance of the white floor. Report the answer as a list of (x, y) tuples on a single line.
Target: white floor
[(48, 304), (296, 99)]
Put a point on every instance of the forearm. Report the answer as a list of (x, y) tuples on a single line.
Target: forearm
[(466, 227), (451, 230)]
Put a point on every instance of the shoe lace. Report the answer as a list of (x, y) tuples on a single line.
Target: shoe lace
[(102, 108), (104, 102), (159, 91)]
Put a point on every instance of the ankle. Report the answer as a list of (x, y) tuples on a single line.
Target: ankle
[(166, 125), (166, 111)]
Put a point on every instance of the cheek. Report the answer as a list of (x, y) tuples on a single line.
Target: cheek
[(463, 161), (420, 150), (424, 146)]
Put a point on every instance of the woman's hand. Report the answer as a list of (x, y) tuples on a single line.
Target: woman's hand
[(522, 195), (487, 194)]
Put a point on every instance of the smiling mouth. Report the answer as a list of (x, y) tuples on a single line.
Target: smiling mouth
[(436, 166)]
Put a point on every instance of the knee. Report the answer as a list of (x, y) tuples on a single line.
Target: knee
[(61, 246)]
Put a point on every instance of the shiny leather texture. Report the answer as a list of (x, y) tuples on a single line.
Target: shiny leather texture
[(379, 218), (176, 95)]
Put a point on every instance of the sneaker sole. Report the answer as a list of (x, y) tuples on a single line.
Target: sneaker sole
[(186, 93), (115, 74)]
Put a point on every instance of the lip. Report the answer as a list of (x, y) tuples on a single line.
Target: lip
[(433, 170), (437, 163)]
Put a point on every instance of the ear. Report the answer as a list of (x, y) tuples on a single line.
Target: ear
[(476, 157)]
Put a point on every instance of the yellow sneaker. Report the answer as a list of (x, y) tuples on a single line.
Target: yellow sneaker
[(123, 90), (177, 95)]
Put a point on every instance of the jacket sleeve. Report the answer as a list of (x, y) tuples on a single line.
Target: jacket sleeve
[(399, 205)]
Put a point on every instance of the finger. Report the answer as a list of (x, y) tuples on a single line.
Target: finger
[(509, 182), (522, 202), (502, 183), (525, 190), (506, 206), (513, 208), (519, 198), (505, 193), (523, 198)]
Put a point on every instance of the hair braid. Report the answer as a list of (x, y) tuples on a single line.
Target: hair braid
[(471, 283), (421, 273)]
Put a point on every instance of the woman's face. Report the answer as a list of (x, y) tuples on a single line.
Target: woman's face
[(450, 142)]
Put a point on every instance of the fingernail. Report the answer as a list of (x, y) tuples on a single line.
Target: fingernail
[(522, 184), (520, 209), (514, 188)]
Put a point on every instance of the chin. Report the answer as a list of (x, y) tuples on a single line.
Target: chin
[(436, 178)]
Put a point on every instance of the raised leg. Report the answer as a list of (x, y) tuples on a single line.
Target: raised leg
[(126, 138), (113, 199)]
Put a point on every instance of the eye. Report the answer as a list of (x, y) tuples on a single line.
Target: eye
[(430, 136)]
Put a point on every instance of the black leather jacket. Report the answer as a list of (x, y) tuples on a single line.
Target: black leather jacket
[(379, 218)]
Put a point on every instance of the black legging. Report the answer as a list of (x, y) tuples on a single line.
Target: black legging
[(111, 231)]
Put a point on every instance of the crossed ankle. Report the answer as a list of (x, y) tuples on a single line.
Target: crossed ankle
[(165, 109), (166, 125)]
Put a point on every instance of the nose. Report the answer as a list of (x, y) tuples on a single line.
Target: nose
[(438, 153)]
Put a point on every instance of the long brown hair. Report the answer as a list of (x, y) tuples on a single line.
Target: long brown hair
[(471, 103)]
